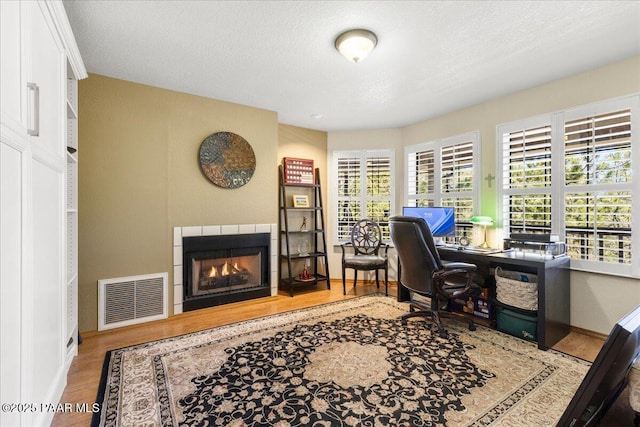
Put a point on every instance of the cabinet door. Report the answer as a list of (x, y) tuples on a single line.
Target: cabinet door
[(46, 65), (10, 79), (11, 277), (49, 289)]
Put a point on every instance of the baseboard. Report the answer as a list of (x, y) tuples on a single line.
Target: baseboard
[(363, 282), (588, 333), (392, 284)]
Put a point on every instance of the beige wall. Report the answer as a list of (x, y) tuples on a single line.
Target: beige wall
[(305, 144), (622, 78), (597, 301), (139, 176)]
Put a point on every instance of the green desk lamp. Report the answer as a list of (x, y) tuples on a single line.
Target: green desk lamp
[(484, 221)]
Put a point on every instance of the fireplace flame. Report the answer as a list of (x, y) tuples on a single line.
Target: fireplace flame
[(213, 272), (226, 270)]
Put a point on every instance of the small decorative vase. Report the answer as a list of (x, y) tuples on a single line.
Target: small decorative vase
[(303, 248)]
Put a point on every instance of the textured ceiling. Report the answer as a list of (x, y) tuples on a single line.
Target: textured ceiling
[(432, 57)]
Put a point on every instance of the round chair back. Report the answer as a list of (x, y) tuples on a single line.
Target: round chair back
[(366, 237)]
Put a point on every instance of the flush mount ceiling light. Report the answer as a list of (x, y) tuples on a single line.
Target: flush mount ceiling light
[(356, 44)]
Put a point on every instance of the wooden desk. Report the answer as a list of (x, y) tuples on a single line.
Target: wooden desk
[(553, 286)]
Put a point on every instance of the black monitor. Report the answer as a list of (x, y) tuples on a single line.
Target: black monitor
[(607, 376), (441, 220)]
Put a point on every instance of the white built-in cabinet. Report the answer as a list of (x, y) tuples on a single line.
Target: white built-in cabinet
[(38, 207)]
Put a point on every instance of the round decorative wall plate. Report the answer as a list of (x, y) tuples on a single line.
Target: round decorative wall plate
[(227, 159)]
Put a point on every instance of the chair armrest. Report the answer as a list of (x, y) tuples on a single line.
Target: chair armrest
[(386, 248), (343, 246), (443, 274), (439, 277), (460, 266)]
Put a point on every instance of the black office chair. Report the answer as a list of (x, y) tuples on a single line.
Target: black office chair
[(422, 272), (366, 241)]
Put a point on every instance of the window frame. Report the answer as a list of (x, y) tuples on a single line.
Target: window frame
[(559, 189), (462, 227), (502, 192), (363, 197)]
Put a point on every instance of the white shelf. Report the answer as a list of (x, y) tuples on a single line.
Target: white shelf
[(71, 158), (72, 216), (72, 279), (71, 111)]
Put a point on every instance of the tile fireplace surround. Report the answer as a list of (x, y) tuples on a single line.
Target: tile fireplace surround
[(220, 230)]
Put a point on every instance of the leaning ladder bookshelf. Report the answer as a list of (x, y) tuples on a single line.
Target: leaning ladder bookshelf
[(300, 247)]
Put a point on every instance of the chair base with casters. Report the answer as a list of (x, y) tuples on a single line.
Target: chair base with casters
[(420, 309), (366, 241)]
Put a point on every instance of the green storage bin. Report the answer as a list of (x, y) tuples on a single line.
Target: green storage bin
[(517, 324)]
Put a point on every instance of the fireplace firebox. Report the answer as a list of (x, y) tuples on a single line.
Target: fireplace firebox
[(222, 269)]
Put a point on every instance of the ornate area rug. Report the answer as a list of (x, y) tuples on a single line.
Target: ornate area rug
[(350, 363)]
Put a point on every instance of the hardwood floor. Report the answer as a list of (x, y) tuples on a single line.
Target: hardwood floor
[(84, 375)]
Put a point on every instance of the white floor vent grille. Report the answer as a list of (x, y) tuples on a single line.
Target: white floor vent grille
[(131, 300)]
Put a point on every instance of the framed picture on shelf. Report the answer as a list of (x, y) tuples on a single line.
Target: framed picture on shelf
[(300, 201)]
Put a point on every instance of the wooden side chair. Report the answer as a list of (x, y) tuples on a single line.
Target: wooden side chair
[(366, 241)]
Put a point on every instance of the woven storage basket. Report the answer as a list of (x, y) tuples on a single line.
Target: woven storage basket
[(513, 289)]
